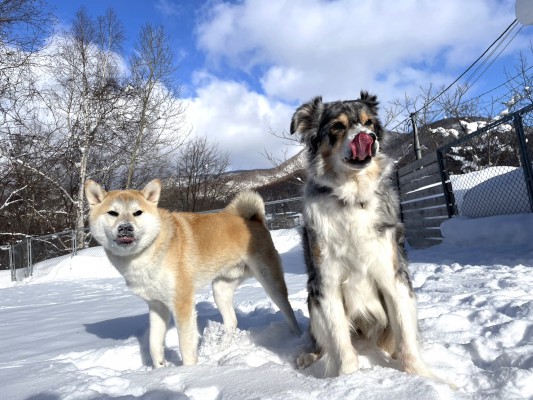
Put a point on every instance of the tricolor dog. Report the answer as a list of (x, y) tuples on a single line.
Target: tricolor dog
[(358, 279)]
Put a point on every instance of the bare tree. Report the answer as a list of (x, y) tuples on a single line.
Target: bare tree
[(86, 116), (200, 182), (156, 113), (430, 105), (427, 107), (519, 84), (23, 24), (88, 93), (454, 105), (285, 165), (50, 137)]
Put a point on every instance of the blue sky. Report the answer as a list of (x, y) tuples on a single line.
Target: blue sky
[(245, 65)]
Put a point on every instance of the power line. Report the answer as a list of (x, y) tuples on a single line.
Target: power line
[(495, 58), (501, 97), (499, 86), (504, 33)]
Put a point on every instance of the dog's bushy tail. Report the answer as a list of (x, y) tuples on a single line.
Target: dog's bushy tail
[(248, 205)]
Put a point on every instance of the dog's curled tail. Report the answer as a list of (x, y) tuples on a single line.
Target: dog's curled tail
[(248, 205)]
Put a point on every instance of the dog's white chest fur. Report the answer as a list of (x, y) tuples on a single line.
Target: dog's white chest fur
[(354, 255), (147, 280), (348, 234), (345, 224)]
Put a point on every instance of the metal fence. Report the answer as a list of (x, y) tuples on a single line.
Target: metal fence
[(284, 214), (6, 263), (35, 255), (489, 172)]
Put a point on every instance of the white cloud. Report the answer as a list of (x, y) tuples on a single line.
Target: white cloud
[(335, 48), (239, 120), (168, 8), (292, 50)]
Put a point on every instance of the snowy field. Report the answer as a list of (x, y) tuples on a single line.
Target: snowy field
[(76, 332)]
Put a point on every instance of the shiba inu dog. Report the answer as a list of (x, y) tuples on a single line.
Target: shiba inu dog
[(165, 256), (358, 278)]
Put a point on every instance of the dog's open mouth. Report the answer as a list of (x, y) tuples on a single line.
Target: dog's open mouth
[(125, 240), (361, 149)]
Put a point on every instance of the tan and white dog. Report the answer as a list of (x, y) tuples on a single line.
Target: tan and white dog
[(165, 256)]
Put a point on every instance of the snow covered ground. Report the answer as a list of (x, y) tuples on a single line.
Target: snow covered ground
[(77, 332)]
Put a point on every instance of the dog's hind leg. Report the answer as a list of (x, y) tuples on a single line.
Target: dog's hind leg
[(185, 316), (159, 315), (268, 271), (223, 290), (387, 342)]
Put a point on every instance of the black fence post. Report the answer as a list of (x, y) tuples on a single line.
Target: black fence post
[(74, 242), (526, 163), (12, 264), (30, 256), (446, 185), (396, 183)]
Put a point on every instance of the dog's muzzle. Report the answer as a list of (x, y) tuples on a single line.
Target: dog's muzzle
[(125, 234), (360, 149)]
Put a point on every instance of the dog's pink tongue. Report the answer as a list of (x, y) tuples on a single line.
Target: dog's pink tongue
[(125, 239), (361, 146)]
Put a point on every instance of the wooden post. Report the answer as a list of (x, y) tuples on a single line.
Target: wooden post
[(418, 152)]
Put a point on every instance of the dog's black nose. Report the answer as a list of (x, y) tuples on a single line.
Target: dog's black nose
[(125, 229)]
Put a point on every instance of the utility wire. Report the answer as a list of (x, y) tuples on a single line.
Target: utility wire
[(511, 26), (505, 35), (495, 58), (499, 86), (467, 86)]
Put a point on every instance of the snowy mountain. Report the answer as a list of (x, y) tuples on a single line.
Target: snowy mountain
[(280, 182)]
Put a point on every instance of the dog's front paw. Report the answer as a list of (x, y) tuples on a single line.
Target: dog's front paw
[(348, 366), (306, 359), (160, 364), (189, 359)]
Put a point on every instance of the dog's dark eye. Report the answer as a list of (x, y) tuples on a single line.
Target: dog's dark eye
[(137, 213), (113, 213), (368, 122), (338, 127)]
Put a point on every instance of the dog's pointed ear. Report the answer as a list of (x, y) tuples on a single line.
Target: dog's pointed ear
[(305, 121), (371, 101), (152, 191), (307, 116), (94, 192)]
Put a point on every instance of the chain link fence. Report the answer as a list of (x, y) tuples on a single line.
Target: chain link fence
[(284, 214), (6, 262), (36, 255), (490, 171)]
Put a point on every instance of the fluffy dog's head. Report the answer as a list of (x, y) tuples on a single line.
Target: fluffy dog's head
[(343, 137), (124, 222)]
